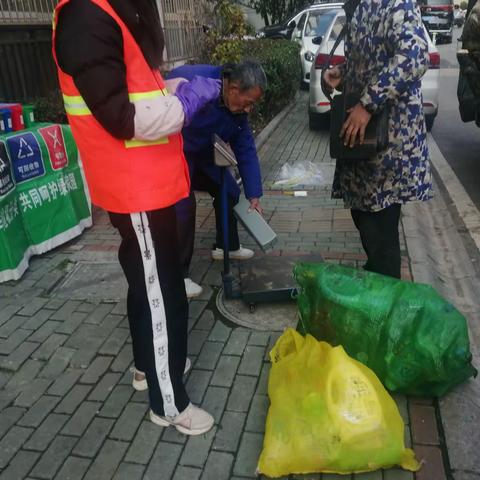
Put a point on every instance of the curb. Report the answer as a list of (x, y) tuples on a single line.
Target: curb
[(262, 137), (458, 198)]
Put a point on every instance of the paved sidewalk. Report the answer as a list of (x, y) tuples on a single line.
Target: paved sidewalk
[(67, 409)]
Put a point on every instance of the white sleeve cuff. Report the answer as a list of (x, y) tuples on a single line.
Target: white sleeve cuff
[(158, 117)]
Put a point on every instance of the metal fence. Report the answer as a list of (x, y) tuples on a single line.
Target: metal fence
[(26, 12), (27, 70), (183, 22)]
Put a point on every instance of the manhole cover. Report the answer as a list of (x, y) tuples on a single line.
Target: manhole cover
[(93, 281)]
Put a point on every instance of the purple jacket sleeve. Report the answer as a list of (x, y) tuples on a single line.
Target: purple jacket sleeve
[(194, 95)]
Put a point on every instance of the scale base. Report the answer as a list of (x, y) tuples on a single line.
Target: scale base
[(270, 279)]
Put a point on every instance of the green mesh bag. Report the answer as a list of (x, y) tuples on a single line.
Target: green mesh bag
[(415, 341)]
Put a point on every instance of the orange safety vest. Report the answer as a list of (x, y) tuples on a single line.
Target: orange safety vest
[(125, 176)]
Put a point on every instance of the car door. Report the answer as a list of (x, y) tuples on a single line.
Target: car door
[(298, 30)]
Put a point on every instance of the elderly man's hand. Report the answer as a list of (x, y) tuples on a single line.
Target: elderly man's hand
[(355, 125), (255, 205)]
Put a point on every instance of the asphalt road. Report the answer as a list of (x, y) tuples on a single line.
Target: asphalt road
[(459, 142)]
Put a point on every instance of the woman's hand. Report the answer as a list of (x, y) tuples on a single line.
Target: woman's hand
[(355, 125), (332, 77)]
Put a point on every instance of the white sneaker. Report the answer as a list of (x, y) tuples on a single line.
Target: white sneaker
[(192, 421), (240, 254), (141, 384), (193, 289)]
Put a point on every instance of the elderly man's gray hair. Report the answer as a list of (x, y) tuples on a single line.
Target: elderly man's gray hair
[(247, 75)]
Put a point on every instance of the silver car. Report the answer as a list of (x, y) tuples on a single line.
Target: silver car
[(319, 106), (309, 30)]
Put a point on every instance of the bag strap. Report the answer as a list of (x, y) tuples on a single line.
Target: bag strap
[(349, 7)]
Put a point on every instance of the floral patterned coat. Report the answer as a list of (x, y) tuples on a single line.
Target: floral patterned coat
[(386, 57)]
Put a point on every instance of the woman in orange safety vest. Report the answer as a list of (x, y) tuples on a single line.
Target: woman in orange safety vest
[(126, 121)]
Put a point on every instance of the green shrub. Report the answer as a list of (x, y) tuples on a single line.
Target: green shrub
[(50, 108), (463, 5), (279, 58)]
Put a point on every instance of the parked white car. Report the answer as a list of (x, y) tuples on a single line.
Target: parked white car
[(319, 106), (310, 27)]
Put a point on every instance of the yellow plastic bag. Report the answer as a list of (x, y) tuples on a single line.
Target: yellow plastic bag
[(328, 413)]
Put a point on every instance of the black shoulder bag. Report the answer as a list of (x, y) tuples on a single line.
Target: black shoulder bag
[(376, 132)]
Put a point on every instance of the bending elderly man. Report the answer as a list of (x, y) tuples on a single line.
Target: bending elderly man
[(243, 86)]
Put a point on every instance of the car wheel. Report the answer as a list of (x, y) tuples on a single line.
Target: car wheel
[(429, 120), (318, 121)]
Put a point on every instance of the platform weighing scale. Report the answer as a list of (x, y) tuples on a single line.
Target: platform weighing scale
[(262, 279)]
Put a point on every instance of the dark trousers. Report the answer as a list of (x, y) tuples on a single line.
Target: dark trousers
[(156, 304), (380, 239), (186, 211)]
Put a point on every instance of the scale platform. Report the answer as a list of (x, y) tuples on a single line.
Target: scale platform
[(270, 279)]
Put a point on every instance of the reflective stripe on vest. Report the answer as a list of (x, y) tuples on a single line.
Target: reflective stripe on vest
[(76, 106)]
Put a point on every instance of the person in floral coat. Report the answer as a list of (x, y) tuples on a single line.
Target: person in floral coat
[(386, 56)]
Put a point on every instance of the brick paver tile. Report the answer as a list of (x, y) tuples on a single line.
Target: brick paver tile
[(197, 384), (237, 342), (206, 321), (225, 371), (215, 401), (39, 411), (197, 449), (220, 332), (74, 468), (92, 440), (53, 458), (424, 425), (252, 360), (432, 463), (81, 419), (19, 467), (65, 382), (33, 306), (11, 443), (257, 414), (24, 376), (117, 400), (187, 473), (218, 467), (398, 474), (247, 457), (14, 361), (128, 471), (209, 355), (99, 313), (104, 387), (49, 346), (144, 442), (165, 459), (8, 345), (66, 310), (196, 339), (96, 369), (114, 342), (242, 393), (229, 431), (129, 421), (58, 363), (47, 431), (8, 418), (73, 399), (107, 461)]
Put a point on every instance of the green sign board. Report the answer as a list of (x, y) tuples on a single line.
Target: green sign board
[(44, 200)]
